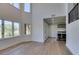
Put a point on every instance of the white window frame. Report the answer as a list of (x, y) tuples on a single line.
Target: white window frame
[(1, 28), (13, 29), (28, 7)]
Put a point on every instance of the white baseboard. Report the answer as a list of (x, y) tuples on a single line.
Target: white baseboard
[(69, 50)]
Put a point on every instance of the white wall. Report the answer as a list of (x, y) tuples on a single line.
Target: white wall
[(8, 12), (73, 37), (40, 11), (72, 29)]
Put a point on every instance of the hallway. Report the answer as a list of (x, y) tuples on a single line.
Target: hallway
[(50, 47)]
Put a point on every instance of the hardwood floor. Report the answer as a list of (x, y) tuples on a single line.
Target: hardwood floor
[(50, 47)]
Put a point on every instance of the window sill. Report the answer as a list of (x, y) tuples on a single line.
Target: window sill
[(10, 38)]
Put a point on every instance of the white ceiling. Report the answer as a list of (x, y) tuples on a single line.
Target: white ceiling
[(56, 20)]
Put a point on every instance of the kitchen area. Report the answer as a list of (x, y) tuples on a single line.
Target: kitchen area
[(55, 28)]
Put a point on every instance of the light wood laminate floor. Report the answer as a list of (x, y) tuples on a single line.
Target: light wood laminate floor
[(50, 47)]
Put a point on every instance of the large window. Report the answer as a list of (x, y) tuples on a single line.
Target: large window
[(74, 14), (27, 7), (0, 28), (16, 29), (16, 5), (7, 29), (27, 29)]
